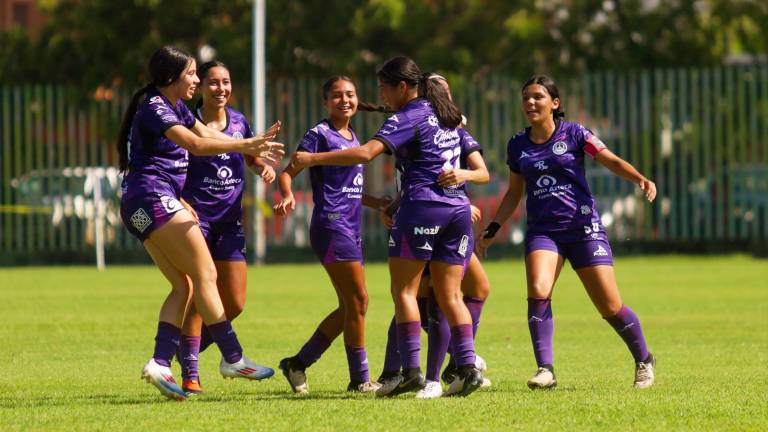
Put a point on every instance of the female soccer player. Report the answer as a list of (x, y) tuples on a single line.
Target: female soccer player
[(474, 285), (154, 139), (547, 160), (214, 191), (337, 192), (433, 222)]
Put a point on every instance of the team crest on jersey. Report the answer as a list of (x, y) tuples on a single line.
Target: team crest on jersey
[(140, 220), (237, 135), (170, 204), (432, 120), (463, 245), (559, 148), (586, 210)]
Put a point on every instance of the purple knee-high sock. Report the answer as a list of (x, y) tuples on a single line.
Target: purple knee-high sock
[(542, 328), (205, 338), (313, 348), (475, 306), (463, 344), (357, 359), (627, 325), (189, 350), (439, 337), (392, 355), (166, 343), (423, 304), (226, 339), (409, 343)]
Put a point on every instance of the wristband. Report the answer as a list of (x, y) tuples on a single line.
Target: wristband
[(491, 230)]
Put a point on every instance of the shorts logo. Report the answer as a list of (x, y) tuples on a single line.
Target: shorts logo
[(358, 181), (170, 204), (237, 135), (224, 173), (391, 241), (140, 220), (600, 251), (463, 245), (541, 165), (426, 246), (586, 210), (426, 230), (559, 148), (546, 181)]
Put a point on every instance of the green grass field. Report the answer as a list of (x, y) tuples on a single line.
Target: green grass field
[(74, 341)]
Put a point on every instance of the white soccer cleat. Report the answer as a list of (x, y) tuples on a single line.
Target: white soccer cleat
[(432, 390), (467, 381), (245, 368), (486, 383), (480, 363), (542, 379), (161, 377), (645, 372), (296, 377)]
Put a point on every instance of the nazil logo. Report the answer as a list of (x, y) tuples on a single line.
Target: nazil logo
[(224, 173), (546, 181), (426, 230), (541, 165), (358, 181)]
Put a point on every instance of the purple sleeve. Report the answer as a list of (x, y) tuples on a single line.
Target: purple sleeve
[(310, 142), (158, 117), (247, 132), (395, 132), (588, 142), (186, 115), (512, 158), (468, 143)]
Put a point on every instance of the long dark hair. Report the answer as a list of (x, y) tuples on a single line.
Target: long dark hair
[(202, 74), (165, 67), (406, 70), (549, 84)]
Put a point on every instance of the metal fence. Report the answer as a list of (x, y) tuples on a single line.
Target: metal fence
[(701, 134)]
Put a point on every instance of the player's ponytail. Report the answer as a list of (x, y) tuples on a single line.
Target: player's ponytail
[(165, 67), (447, 112), (549, 84)]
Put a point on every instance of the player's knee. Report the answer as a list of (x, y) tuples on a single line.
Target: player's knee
[(539, 288), (610, 308), (358, 303)]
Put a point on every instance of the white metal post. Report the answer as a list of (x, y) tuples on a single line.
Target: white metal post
[(260, 117)]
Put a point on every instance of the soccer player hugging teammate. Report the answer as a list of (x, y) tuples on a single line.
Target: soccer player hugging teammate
[(475, 285), (433, 223), (214, 192), (337, 192), (547, 160), (155, 137)]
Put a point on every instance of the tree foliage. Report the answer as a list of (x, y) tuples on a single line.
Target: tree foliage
[(103, 42)]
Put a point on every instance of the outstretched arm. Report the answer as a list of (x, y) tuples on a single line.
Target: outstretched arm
[(353, 156), (625, 170), (258, 146)]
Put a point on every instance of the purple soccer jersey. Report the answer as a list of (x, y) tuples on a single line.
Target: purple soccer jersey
[(337, 191), (559, 198), (157, 167), (215, 184), (153, 158), (423, 149)]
